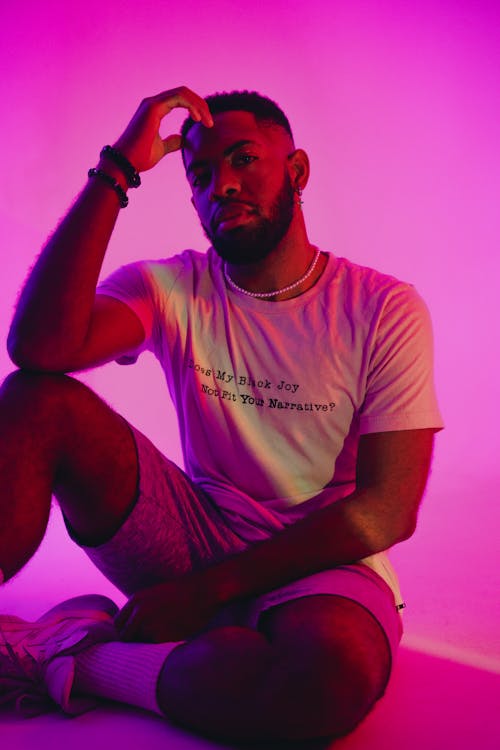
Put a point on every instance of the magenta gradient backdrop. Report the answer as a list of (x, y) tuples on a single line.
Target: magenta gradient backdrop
[(397, 104)]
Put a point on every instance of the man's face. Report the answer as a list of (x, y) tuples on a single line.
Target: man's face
[(241, 185)]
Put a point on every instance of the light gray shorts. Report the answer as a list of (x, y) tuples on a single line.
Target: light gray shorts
[(175, 528)]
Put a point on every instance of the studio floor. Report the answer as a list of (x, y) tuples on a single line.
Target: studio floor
[(430, 704)]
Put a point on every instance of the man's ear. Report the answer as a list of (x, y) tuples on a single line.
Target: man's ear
[(298, 168)]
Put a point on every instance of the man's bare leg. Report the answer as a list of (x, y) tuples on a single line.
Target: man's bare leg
[(315, 668), (57, 436)]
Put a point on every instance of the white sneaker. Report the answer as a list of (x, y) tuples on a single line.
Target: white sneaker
[(30, 675)]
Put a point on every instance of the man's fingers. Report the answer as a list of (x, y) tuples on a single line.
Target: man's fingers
[(119, 620), (172, 143), (141, 141), (127, 628), (129, 632), (185, 98), (124, 615)]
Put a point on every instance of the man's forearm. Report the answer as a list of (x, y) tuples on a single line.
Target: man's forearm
[(55, 305), (177, 609), (341, 533), (391, 474)]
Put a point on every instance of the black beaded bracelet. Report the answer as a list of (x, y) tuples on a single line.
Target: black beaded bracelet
[(121, 161), (122, 196)]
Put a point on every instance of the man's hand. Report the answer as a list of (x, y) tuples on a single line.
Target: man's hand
[(170, 611), (141, 142)]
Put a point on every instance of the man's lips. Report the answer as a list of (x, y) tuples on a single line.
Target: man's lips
[(233, 211)]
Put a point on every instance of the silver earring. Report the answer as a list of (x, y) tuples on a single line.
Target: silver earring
[(300, 202)]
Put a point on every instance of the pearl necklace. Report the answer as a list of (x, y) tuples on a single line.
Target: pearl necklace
[(264, 295)]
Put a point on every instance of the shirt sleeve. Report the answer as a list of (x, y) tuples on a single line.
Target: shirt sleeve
[(131, 285), (400, 391)]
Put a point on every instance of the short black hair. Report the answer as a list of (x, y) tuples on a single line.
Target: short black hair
[(264, 109)]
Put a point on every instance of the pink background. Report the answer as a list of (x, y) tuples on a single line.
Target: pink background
[(397, 104)]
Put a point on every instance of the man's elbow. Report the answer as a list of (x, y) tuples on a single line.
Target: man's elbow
[(386, 531), (16, 351), (28, 357), (401, 529), (21, 355)]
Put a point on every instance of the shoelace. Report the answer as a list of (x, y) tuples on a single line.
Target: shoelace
[(21, 680), (25, 653), (21, 672)]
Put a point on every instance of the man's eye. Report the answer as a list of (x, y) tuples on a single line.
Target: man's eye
[(244, 159), (200, 179)]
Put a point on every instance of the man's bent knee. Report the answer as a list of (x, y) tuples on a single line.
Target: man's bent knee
[(30, 389), (88, 448), (337, 664), (235, 684)]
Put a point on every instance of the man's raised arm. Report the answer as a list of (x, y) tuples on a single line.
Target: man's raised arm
[(59, 324)]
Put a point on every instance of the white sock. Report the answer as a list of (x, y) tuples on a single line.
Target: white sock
[(123, 672)]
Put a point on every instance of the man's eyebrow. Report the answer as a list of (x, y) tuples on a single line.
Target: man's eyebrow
[(227, 152)]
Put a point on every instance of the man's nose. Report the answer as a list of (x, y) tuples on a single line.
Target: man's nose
[(224, 185)]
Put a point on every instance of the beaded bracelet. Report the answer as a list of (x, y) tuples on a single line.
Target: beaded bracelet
[(122, 196), (122, 163)]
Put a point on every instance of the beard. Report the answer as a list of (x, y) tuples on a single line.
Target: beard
[(250, 244)]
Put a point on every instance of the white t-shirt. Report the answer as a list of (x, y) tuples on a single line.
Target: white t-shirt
[(272, 397)]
